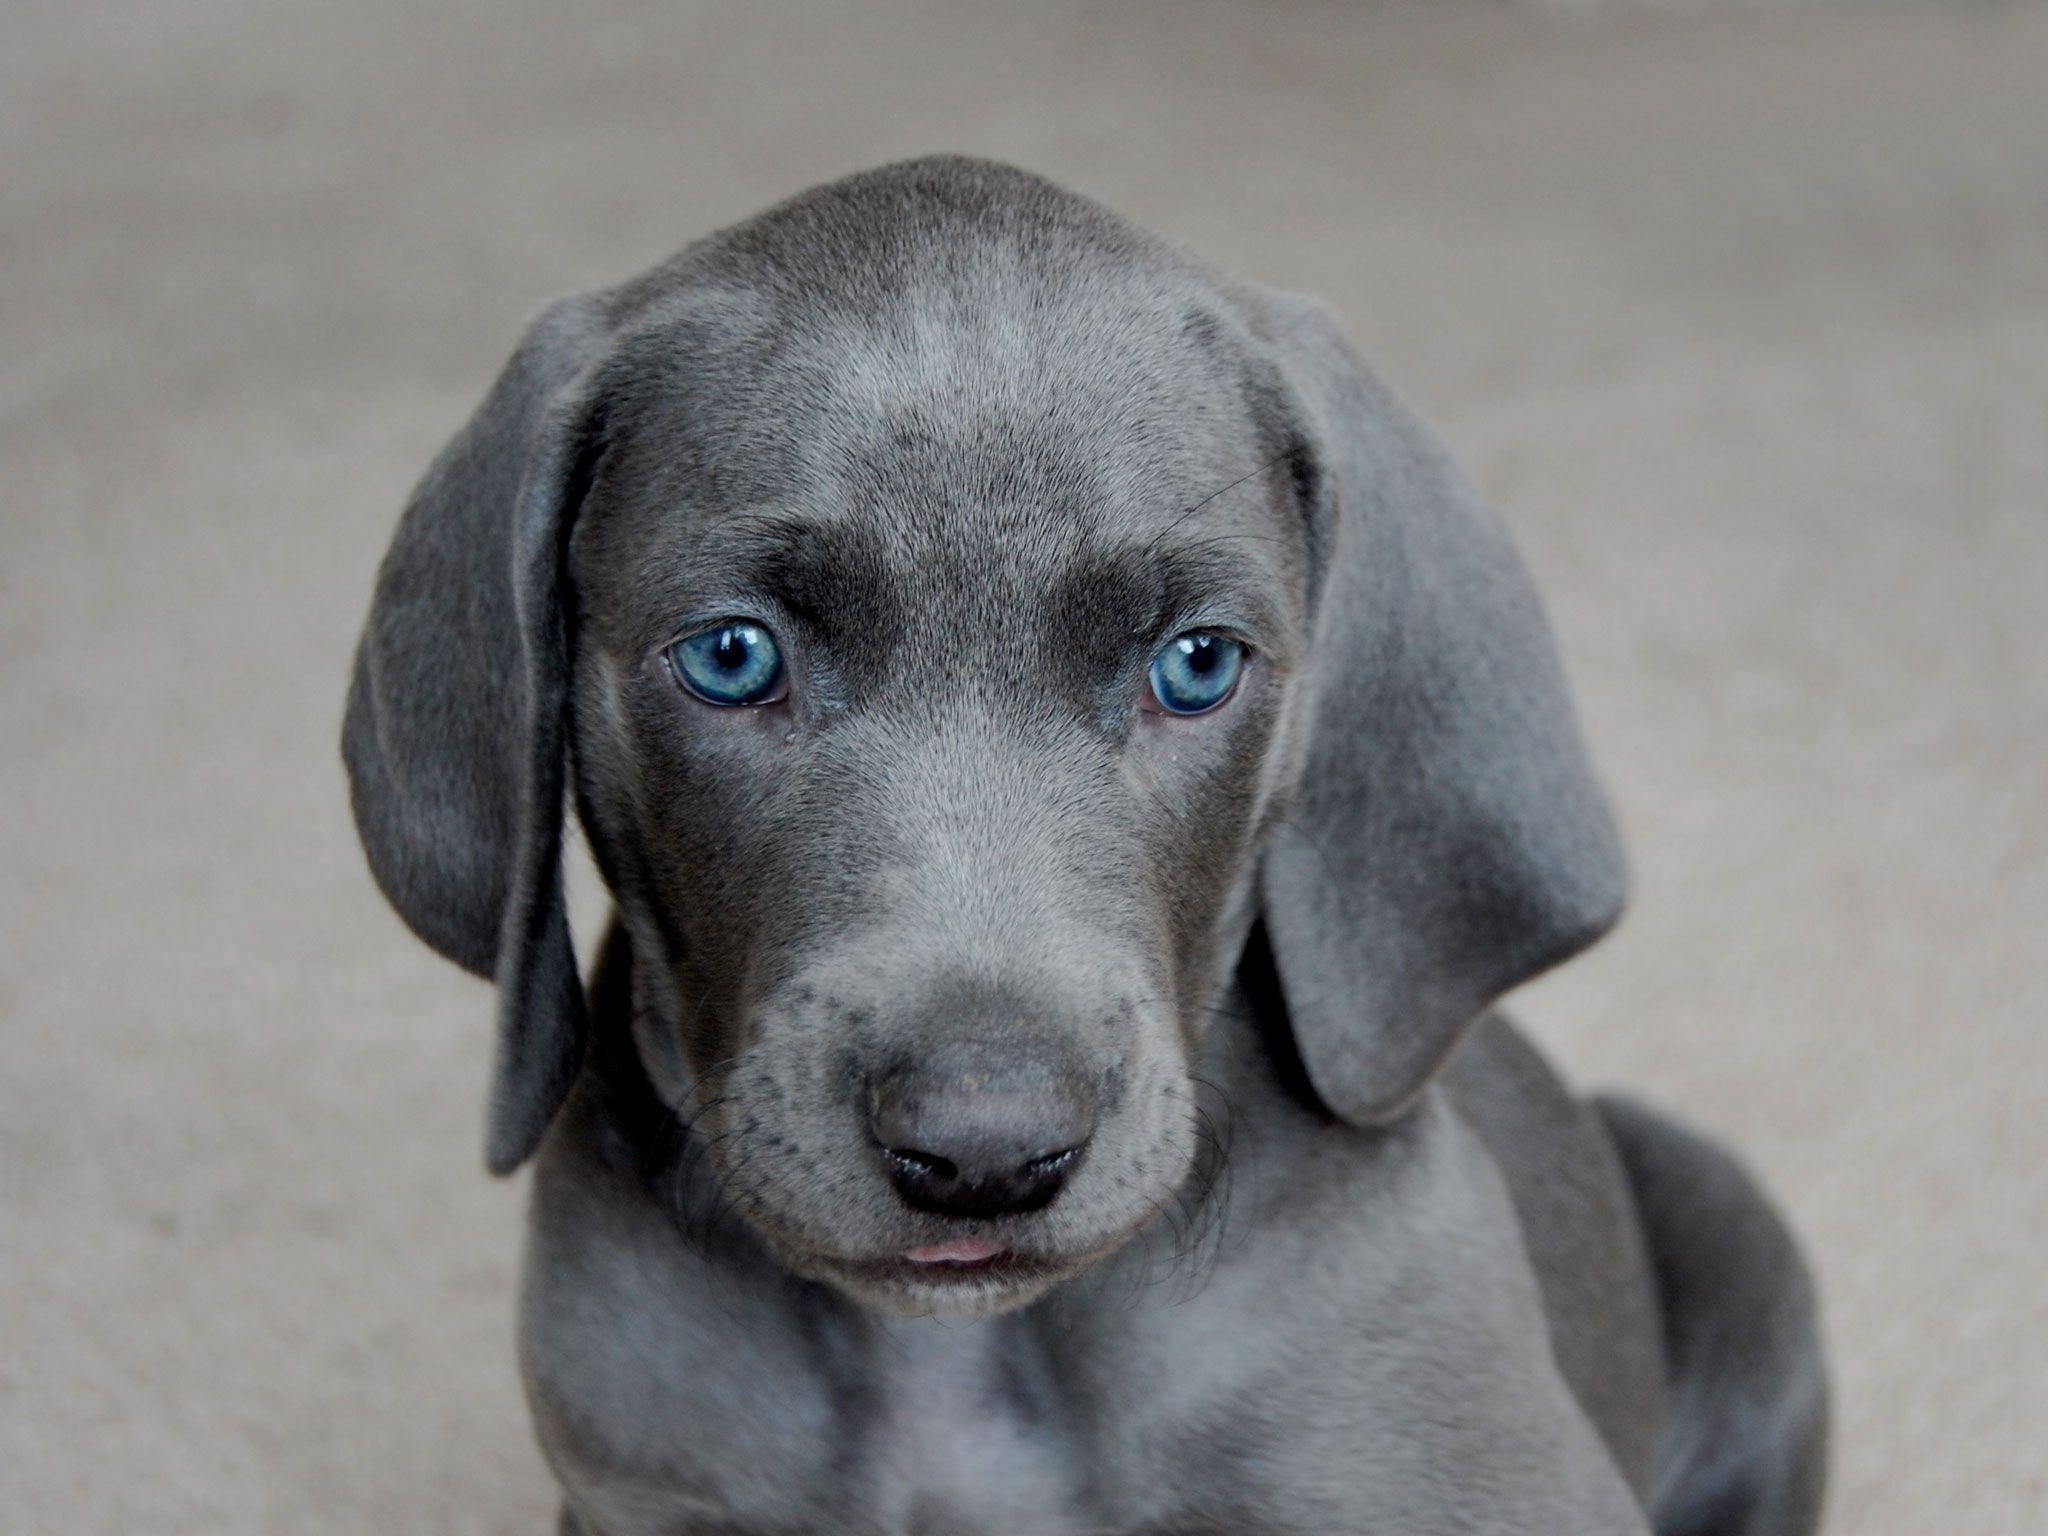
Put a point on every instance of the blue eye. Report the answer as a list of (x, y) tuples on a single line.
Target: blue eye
[(737, 663), (1196, 672)]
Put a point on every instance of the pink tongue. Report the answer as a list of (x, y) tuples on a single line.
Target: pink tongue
[(962, 1250)]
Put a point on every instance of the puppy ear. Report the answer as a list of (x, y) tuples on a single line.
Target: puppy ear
[(1448, 840), (455, 736)]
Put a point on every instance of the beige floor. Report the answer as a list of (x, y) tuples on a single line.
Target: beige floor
[(1742, 317)]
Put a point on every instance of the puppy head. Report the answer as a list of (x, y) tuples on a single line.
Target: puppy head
[(966, 617)]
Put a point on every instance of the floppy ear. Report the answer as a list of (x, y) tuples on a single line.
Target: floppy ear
[(455, 730), (1448, 840)]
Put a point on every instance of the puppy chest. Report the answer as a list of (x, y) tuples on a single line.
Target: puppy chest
[(966, 1437)]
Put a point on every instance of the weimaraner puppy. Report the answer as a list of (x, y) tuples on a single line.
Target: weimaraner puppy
[(1075, 767)]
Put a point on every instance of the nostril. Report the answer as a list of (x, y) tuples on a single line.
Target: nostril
[(1054, 1165), (922, 1164)]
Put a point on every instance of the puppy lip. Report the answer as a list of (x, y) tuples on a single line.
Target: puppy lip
[(959, 1253), (962, 1263)]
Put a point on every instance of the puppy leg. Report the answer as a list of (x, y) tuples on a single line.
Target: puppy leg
[(1745, 1447)]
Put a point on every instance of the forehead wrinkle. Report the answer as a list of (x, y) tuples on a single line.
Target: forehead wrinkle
[(1236, 547), (825, 572), (1137, 589), (977, 447), (1215, 573), (1039, 408)]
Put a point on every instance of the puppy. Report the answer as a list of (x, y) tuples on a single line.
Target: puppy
[(1075, 766)]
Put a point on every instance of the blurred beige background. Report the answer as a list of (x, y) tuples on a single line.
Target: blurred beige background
[(1740, 316)]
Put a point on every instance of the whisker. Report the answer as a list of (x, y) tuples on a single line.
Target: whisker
[(1187, 512)]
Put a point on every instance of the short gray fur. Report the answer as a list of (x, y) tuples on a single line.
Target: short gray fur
[(1343, 1255)]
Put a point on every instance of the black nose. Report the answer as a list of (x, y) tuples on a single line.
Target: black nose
[(974, 1143)]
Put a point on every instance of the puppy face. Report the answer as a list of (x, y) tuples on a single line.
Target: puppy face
[(935, 643), (939, 589)]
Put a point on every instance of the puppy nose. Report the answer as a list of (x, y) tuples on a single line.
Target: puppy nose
[(964, 1144)]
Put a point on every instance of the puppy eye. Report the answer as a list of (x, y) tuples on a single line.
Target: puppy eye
[(1196, 672), (734, 664)]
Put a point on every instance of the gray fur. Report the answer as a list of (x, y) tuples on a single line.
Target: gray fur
[(974, 448)]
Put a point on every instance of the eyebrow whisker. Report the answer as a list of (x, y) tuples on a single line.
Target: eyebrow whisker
[(1189, 511)]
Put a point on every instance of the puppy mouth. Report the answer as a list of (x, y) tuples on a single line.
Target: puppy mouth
[(960, 1261), (966, 1272), (974, 1273), (970, 1253), (964, 1277)]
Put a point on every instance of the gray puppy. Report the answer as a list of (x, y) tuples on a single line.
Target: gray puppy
[(1075, 767)]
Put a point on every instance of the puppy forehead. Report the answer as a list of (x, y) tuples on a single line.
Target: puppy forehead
[(1008, 430)]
